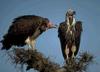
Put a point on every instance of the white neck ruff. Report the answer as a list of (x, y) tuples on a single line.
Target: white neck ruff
[(73, 23)]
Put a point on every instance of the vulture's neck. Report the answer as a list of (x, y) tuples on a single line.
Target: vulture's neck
[(71, 22)]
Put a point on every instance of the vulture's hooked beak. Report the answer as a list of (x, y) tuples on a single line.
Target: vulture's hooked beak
[(51, 25)]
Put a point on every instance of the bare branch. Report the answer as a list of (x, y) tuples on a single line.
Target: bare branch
[(37, 61)]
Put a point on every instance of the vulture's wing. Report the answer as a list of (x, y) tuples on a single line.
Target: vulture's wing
[(25, 24), (78, 31), (62, 36)]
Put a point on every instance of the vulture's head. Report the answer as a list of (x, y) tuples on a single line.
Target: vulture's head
[(48, 24), (70, 14)]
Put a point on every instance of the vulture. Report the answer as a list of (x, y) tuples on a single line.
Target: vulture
[(25, 30), (69, 33), (70, 42)]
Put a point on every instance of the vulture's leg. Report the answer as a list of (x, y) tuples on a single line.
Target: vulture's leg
[(67, 52), (30, 42), (33, 42), (73, 49), (27, 41)]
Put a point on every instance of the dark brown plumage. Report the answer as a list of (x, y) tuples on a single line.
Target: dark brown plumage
[(24, 27), (67, 39)]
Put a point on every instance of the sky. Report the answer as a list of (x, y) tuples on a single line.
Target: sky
[(87, 11)]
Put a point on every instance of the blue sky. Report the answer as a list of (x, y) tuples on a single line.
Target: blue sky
[(87, 11)]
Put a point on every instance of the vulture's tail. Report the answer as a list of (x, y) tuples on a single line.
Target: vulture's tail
[(6, 42)]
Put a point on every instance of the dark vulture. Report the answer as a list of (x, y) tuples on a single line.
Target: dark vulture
[(24, 30), (70, 42)]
